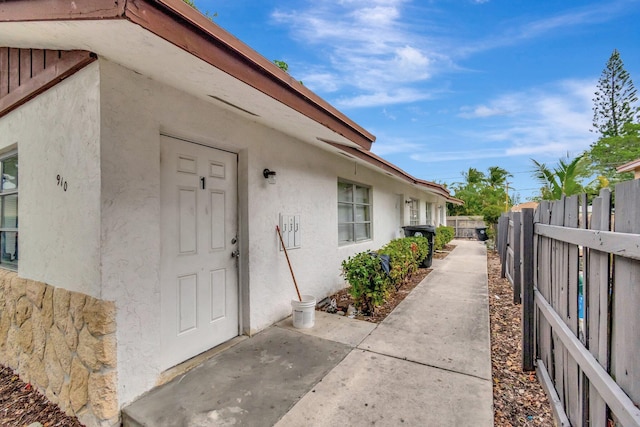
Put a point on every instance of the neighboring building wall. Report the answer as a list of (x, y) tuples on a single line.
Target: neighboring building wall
[(57, 133), (135, 110), (63, 343), (60, 336)]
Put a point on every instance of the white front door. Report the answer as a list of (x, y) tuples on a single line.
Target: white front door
[(199, 281)]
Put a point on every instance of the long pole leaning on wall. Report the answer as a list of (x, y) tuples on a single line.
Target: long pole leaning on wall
[(528, 306)]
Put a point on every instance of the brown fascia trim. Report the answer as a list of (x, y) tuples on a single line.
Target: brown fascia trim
[(629, 167), (56, 10), (389, 167), (72, 62), (186, 28)]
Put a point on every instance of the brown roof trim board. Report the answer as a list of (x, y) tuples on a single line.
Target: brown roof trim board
[(25, 73), (183, 26), (629, 167), (390, 168)]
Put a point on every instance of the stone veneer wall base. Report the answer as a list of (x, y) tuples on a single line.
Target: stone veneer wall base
[(64, 344)]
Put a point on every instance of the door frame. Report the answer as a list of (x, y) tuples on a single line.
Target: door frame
[(241, 220)]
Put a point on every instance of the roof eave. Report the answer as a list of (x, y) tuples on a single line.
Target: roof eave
[(186, 28), (394, 170)]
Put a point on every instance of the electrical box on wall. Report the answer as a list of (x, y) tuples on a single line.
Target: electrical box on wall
[(290, 229)]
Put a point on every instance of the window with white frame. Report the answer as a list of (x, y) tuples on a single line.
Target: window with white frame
[(414, 212), (429, 216), (354, 212), (9, 211)]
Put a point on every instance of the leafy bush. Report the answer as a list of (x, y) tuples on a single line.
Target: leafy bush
[(405, 256), (369, 284), (443, 236)]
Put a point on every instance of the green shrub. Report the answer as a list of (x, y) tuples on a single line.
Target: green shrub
[(369, 284), (443, 236), (405, 256)]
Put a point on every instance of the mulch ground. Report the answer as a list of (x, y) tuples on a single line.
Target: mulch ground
[(21, 405), (518, 398)]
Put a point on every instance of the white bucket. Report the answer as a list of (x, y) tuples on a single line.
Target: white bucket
[(304, 312)]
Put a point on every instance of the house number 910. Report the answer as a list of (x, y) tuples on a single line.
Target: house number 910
[(61, 182)]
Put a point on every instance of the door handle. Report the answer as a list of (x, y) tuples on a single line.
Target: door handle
[(235, 254)]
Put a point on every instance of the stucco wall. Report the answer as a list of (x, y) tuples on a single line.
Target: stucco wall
[(57, 133), (134, 111)]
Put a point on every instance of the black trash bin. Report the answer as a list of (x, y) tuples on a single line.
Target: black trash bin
[(481, 232), (428, 231)]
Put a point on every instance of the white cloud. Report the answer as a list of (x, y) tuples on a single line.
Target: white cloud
[(399, 96), (445, 156), (546, 122), (370, 47), (392, 145)]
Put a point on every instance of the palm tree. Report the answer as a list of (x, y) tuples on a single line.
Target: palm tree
[(497, 177), (563, 180)]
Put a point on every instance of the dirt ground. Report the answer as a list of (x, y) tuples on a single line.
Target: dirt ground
[(518, 398), (21, 405)]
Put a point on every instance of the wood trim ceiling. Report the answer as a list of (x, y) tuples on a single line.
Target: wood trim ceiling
[(186, 28), (25, 73)]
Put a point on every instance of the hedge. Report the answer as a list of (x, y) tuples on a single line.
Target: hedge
[(443, 236), (369, 283)]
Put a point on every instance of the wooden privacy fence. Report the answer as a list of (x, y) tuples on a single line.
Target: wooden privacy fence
[(579, 284), (465, 226)]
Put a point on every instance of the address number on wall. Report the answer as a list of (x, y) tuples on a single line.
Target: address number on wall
[(62, 182)]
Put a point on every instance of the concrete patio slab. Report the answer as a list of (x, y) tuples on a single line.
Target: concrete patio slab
[(427, 364), (254, 383), (370, 389), (335, 328)]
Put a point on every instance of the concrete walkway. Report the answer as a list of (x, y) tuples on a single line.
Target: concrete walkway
[(427, 364)]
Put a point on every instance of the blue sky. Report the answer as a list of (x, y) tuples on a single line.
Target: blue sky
[(450, 84)]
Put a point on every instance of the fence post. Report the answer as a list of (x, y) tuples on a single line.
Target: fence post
[(528, 306), (517, 257), (503, 231)]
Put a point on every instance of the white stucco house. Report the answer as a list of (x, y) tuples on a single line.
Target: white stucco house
[(137, 215)]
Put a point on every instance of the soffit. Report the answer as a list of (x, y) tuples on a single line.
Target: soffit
[(136, 48)]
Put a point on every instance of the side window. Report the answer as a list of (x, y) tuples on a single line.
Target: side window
[(9, 211), (429, 218), (354, 213), (414, 212)]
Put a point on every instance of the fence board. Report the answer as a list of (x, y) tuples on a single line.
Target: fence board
[(572, 371), (517, 258), (503, 225), (596, 283), (558, 300), (543, 279), (625, 320), (528, 307)]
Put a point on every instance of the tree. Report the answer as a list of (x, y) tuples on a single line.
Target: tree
[(614, 99), (497, 177), (563, 180), (611, 152), (483, 194)]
